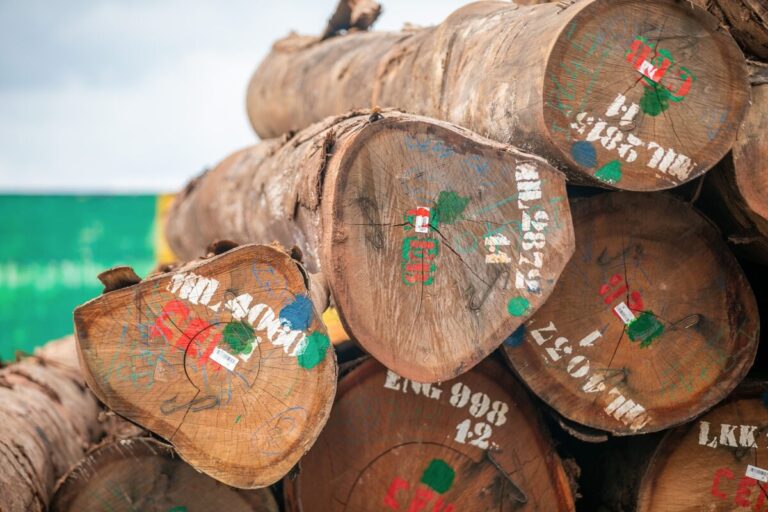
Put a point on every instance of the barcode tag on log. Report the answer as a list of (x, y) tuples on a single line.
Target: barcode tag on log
[(757, 473), (624, 313), (224, 358), (421, 220)]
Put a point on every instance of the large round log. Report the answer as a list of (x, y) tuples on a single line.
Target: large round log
[(143, 474), (652, 322), (474, 443), (717, 463), (736, 192), (631, 94), (223, 357), (435, 243), (47, 419)]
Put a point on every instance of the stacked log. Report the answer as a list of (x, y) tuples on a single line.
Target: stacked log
[(142, 473), (224, 357), (434, 242), (473, 443), (651, 323), (47, 420), (635, 95)]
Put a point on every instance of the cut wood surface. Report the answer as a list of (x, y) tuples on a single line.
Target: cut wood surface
[(632, 94), (223, 357), (435, 243), (736, 192), (652, 322), (471, 444), (47, 420), (143, 474), (718, 462)]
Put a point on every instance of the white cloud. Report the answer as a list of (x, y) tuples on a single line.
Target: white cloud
[(156, 91)]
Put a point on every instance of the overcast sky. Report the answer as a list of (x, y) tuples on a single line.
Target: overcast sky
[(140, 95)]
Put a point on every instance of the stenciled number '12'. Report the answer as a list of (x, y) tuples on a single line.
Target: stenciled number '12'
[(495, 413)]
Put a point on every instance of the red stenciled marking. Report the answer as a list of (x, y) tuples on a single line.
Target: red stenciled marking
[(743, 495), (638, 56), (177, 313), (423, 495), (635, 301)]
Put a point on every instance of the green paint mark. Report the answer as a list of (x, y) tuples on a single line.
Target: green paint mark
[(518, 306), (610, 172), (178, 508), (317, 345), (237, 420), (438, 476), (645, 328), (655, 100), (239, 336), (448, 208)]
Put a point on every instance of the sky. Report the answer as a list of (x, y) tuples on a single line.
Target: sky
[(138, 96)]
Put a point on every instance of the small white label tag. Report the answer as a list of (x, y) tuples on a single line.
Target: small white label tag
[(224, 358), (757, 473), (624, 313), (421, 220)]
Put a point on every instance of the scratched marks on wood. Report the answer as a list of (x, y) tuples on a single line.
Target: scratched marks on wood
[(234, 334), (402, 452)]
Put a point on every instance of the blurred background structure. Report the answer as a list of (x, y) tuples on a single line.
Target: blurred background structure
[(95, 129)]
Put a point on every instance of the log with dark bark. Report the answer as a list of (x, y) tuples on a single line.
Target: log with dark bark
[(435, 243), (631, 94), (474, 443), (225, 357), (144, 474), (747, 21), (736, 192), (47, 419), (652, 322), (717, 463)]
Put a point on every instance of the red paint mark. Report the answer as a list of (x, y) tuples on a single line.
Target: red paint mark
[(177, 314), (418, 260), (422, 497), (654, 68), (720, 473), (635, 301)]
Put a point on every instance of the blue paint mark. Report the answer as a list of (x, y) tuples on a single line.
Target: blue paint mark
[(584, 153), (298, 313), (516, 338), (765, 398)]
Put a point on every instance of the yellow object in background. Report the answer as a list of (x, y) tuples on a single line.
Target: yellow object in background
[(163, 252), (333, 324)]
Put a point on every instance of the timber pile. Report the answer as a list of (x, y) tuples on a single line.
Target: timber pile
[(47, 420), (622, 317)]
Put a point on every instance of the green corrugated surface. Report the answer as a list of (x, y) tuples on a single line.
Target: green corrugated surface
[(52, 248)]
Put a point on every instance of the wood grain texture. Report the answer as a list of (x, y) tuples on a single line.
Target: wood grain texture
[(473, 443), (629, 94), (652, 322), (435, 243), (47, 420), (224, 357), (736, 193), (747, 21), (704, 465), (143, 474)]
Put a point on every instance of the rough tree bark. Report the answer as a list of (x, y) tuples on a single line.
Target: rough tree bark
[(718, 462), (435, 242), (652, 322), (225, 357), (47, 420), (747, 21), (474, 443), (631, 94), (143, 474), (736, 192)]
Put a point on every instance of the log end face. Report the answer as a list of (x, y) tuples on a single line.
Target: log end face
[(226, 358), (633, 105), (645, 329), (436, 234)]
